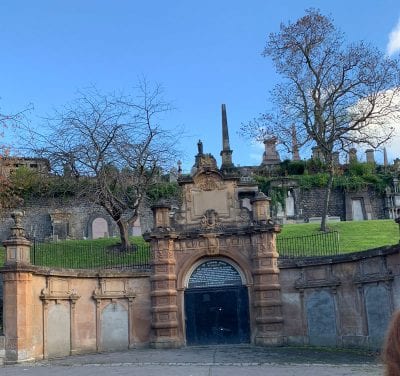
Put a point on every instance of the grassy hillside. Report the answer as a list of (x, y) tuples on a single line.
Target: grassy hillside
[(354, 236)]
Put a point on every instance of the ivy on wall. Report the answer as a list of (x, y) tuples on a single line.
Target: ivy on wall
[(164, 190)]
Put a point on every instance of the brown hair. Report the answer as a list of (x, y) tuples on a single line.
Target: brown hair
[(391, 349)]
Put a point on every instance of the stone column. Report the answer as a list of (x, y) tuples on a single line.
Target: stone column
[(163, 282), (267, 291), (17, 295)]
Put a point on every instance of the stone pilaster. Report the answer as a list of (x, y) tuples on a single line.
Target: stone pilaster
[(267, 291), (163, 282), (17, 295), (164, 295)]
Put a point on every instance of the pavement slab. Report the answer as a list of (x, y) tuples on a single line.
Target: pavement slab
[(208, 361)]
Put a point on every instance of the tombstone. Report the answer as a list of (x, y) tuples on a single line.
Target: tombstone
[(289, 203), (60, 223), (99, 228), (357, 209), (136, 228)]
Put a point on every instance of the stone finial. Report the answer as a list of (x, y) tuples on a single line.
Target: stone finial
[(17, 231), (17, 246), (200, 147), (179, 163), (161, 215)]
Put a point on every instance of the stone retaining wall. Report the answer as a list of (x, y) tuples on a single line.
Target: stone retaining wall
[(66, 312), (344, 301)]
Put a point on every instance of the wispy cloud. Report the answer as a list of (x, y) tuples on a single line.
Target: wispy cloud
[(393, 45)]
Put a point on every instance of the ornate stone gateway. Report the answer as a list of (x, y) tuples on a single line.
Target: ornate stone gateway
[(216, 305), (215, 276)]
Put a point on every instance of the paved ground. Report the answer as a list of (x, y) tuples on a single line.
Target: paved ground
[(207, 361)]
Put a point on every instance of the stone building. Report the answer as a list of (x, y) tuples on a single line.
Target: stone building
[(9, 164)]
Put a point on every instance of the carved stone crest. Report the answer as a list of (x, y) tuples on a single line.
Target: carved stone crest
[(208, 182), (210, 220)]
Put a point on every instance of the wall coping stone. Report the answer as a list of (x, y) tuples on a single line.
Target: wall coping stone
[(348, 257), (78, 273)]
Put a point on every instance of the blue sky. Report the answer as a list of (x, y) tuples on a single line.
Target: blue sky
[(204, 53)]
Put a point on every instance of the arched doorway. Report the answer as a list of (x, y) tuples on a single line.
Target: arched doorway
[(216, 305)]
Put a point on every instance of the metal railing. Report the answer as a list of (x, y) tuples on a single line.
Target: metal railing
[(318, 245), (71, 255)]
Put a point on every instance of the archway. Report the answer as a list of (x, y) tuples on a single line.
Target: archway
[(216, 305)]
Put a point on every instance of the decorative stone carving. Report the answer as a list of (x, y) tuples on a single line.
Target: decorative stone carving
[(210, 220), (212, 244), (208, 182)]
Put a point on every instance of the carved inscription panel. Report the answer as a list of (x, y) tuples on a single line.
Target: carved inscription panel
[(204, 200)]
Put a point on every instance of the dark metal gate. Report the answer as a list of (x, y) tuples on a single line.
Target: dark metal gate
[(216, 306)]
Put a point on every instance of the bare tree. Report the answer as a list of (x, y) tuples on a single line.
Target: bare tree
[(8, 195), (112, 146), (335, 94)]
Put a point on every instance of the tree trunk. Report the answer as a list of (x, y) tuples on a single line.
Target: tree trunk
[(123, 232), (328, 190)]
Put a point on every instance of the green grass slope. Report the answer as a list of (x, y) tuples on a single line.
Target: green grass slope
[(354, 236)]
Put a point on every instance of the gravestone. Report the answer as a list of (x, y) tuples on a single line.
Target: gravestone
[(289, 203), (99, 228), (357, 210)]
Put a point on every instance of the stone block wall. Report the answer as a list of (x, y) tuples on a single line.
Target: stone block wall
[(100, 311), (311, 203), (346, 301), (37, 219)]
